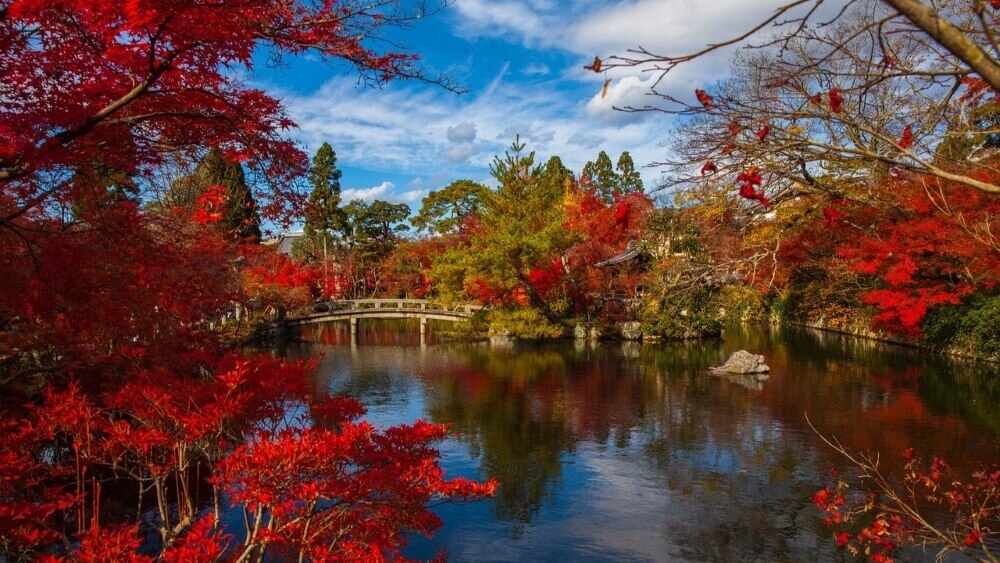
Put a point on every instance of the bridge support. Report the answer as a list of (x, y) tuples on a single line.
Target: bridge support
[(354, 326), (423, 326)]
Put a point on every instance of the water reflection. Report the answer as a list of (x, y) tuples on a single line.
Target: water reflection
[(637, 452)]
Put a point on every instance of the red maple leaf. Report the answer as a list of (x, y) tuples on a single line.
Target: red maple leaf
[(836, 101), (906, 140), (703, 97)]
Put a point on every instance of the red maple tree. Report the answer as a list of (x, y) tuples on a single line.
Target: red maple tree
[(112, 383)]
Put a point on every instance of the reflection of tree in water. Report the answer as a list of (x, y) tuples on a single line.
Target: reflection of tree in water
[(972, 390), (521, 439), (732, 468), (880, 397), (523, 409), (724, 460)]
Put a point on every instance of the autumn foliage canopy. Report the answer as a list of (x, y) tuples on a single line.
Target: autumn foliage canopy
[(115, 392)]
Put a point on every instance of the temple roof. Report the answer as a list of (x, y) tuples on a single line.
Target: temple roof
[(631, 252)]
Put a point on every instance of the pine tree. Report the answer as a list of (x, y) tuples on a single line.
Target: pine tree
[(522, 226), (602, 176), (101, 185), (443, 211), (325, 216), (629, 180)]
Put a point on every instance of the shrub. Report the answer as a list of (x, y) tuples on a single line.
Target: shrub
[(741, 303), (523, 324), (972, 326)]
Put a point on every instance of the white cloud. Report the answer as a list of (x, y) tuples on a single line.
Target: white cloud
[(605, 28), (412, 196), (662, 26), (435, 181), (380, 191), (459, 154), (404, 128), (439, 137), (462, 133), (630, 91), (536, 69), (494, 17), (587, 140)]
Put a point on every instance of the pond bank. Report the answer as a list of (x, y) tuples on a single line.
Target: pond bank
[(880, 336)]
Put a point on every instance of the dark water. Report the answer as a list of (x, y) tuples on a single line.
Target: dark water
[(632, 452)]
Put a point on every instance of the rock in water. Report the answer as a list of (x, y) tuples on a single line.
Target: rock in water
[(743, 362)]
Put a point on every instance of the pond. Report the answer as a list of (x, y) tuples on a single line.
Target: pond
[(635, 452)]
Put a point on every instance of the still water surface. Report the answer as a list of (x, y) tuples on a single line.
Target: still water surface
[(618, 451)]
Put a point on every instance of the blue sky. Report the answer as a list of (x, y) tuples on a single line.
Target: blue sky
[(522, 63)]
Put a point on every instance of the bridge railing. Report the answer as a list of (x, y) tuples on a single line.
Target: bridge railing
[(399, 304)]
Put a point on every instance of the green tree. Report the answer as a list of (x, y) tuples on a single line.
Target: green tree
[(385, 221), (522, 229), (444, 210), (602, 176), (240, 218), (629, 180), (371, 232), (375, 226), (556, 176), (325, 216)]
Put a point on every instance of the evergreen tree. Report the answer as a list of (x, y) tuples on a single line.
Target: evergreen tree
[(555, 176), (374, 227), (629, 180), (444, 210), (602, 176), (522, 224), (325, 216), (101, 185), (240, 218)]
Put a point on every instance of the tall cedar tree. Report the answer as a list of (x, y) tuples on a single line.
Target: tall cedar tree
[(610, 184), (601, 174), (325, 216), (556, 174), (630, 181)]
